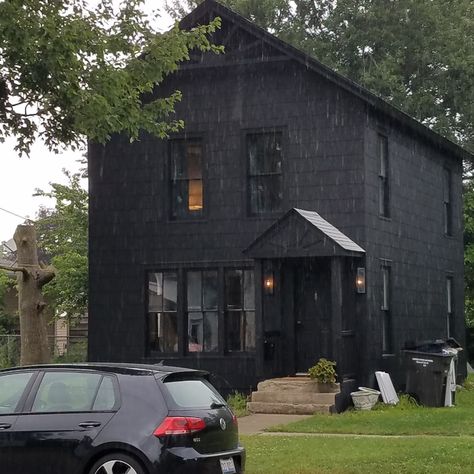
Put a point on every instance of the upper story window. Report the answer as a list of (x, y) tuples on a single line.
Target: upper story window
[(186, 178), (384, 190), (448, 219), (264, 157)]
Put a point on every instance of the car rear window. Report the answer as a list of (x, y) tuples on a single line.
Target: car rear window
[(193, 393)]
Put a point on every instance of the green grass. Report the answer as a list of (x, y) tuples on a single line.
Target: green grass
[(430, 441), (406, 419), (298, 455)]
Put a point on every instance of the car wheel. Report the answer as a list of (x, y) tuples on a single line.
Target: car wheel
[(117, 463)]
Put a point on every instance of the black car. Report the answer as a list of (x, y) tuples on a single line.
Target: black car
[(115, 419)]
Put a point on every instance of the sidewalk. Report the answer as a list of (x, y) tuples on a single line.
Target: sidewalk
[(256, 423)]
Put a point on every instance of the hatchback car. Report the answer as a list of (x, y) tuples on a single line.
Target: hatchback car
[(115, 419)]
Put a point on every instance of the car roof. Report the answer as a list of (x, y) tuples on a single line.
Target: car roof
[(116, 367)]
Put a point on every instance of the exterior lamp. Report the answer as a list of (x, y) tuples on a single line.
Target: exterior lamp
[(360, 280), (268, 283)]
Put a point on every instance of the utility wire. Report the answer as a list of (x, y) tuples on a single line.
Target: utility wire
[(16, 215)]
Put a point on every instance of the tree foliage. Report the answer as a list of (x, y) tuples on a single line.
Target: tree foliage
[(68, 71), (416, 54), (7, 321), (63, 235)]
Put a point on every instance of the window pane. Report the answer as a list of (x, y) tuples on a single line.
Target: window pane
[(211, 334), (105, 399), (233, 288), (210, 290), (12, 387), (195, 200), (170, 291), (195, 332), (179, 198), (249, 290), (265, 193), (249, 331), (194, 160), (163, 332), (264, 153), (385, 288), (178, 154), (449, 288), (194, 291), (234, 334), (155, 292), (62, 391)]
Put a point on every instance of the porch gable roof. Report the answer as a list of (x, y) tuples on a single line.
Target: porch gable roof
[(301, 233)]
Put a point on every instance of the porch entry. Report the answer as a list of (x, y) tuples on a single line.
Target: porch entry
[(310, 314)]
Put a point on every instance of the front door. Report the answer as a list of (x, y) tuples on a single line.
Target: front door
[(312, 311)]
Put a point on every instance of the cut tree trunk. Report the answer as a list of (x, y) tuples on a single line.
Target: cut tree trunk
[(32, 276)]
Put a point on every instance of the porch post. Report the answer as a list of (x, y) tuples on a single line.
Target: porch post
[(336, 307)]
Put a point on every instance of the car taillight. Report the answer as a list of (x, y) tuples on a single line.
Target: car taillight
[(179, 425), (234, 420)]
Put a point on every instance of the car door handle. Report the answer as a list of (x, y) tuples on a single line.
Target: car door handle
[(89, 424), (5, 426)]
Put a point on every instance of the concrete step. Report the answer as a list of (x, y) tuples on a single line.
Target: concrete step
[(288, 408), (297, 384), (287, 396)]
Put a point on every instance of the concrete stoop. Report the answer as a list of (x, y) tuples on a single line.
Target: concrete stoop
[(293, 396)]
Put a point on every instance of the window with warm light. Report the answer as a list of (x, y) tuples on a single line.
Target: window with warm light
[(186, 176)]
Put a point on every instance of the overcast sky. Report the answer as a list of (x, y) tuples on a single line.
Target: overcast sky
[(19, 177)]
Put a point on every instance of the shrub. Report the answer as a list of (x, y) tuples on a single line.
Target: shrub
[(238, 403), (323, 371)]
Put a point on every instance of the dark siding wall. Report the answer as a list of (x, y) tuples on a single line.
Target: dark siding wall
[(323, 130), (413, 239)]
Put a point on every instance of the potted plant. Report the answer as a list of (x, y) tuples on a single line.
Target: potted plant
[(324, 373)]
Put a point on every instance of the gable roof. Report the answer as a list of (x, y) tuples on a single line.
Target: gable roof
[(301, 233), (209, 9)]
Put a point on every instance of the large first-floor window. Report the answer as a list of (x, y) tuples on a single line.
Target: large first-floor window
[(201, 310)]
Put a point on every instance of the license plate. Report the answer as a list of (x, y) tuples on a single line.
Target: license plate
[(228, 466)]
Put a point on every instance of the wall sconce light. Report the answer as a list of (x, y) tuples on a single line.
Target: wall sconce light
[(360, 280), (268, 283)]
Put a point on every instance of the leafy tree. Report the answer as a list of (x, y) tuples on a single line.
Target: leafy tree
[(68, 71), (63, 235), (7, 321)]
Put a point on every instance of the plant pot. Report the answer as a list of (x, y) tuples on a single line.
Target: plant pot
[(365, 399)]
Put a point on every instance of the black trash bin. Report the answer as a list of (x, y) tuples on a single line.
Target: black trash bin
[(427, 369)]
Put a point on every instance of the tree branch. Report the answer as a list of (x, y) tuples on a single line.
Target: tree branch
[(44, 276), (15, 269)]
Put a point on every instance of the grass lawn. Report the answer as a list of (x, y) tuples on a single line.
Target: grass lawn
[(405, 419), (295, 455), (431, 441)]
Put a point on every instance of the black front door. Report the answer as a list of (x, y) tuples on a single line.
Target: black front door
[(312, 311)]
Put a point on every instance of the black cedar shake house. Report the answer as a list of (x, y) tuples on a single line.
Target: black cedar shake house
[(297, 216)]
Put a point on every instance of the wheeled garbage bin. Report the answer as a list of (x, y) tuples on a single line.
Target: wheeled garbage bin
[(426, 376)]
